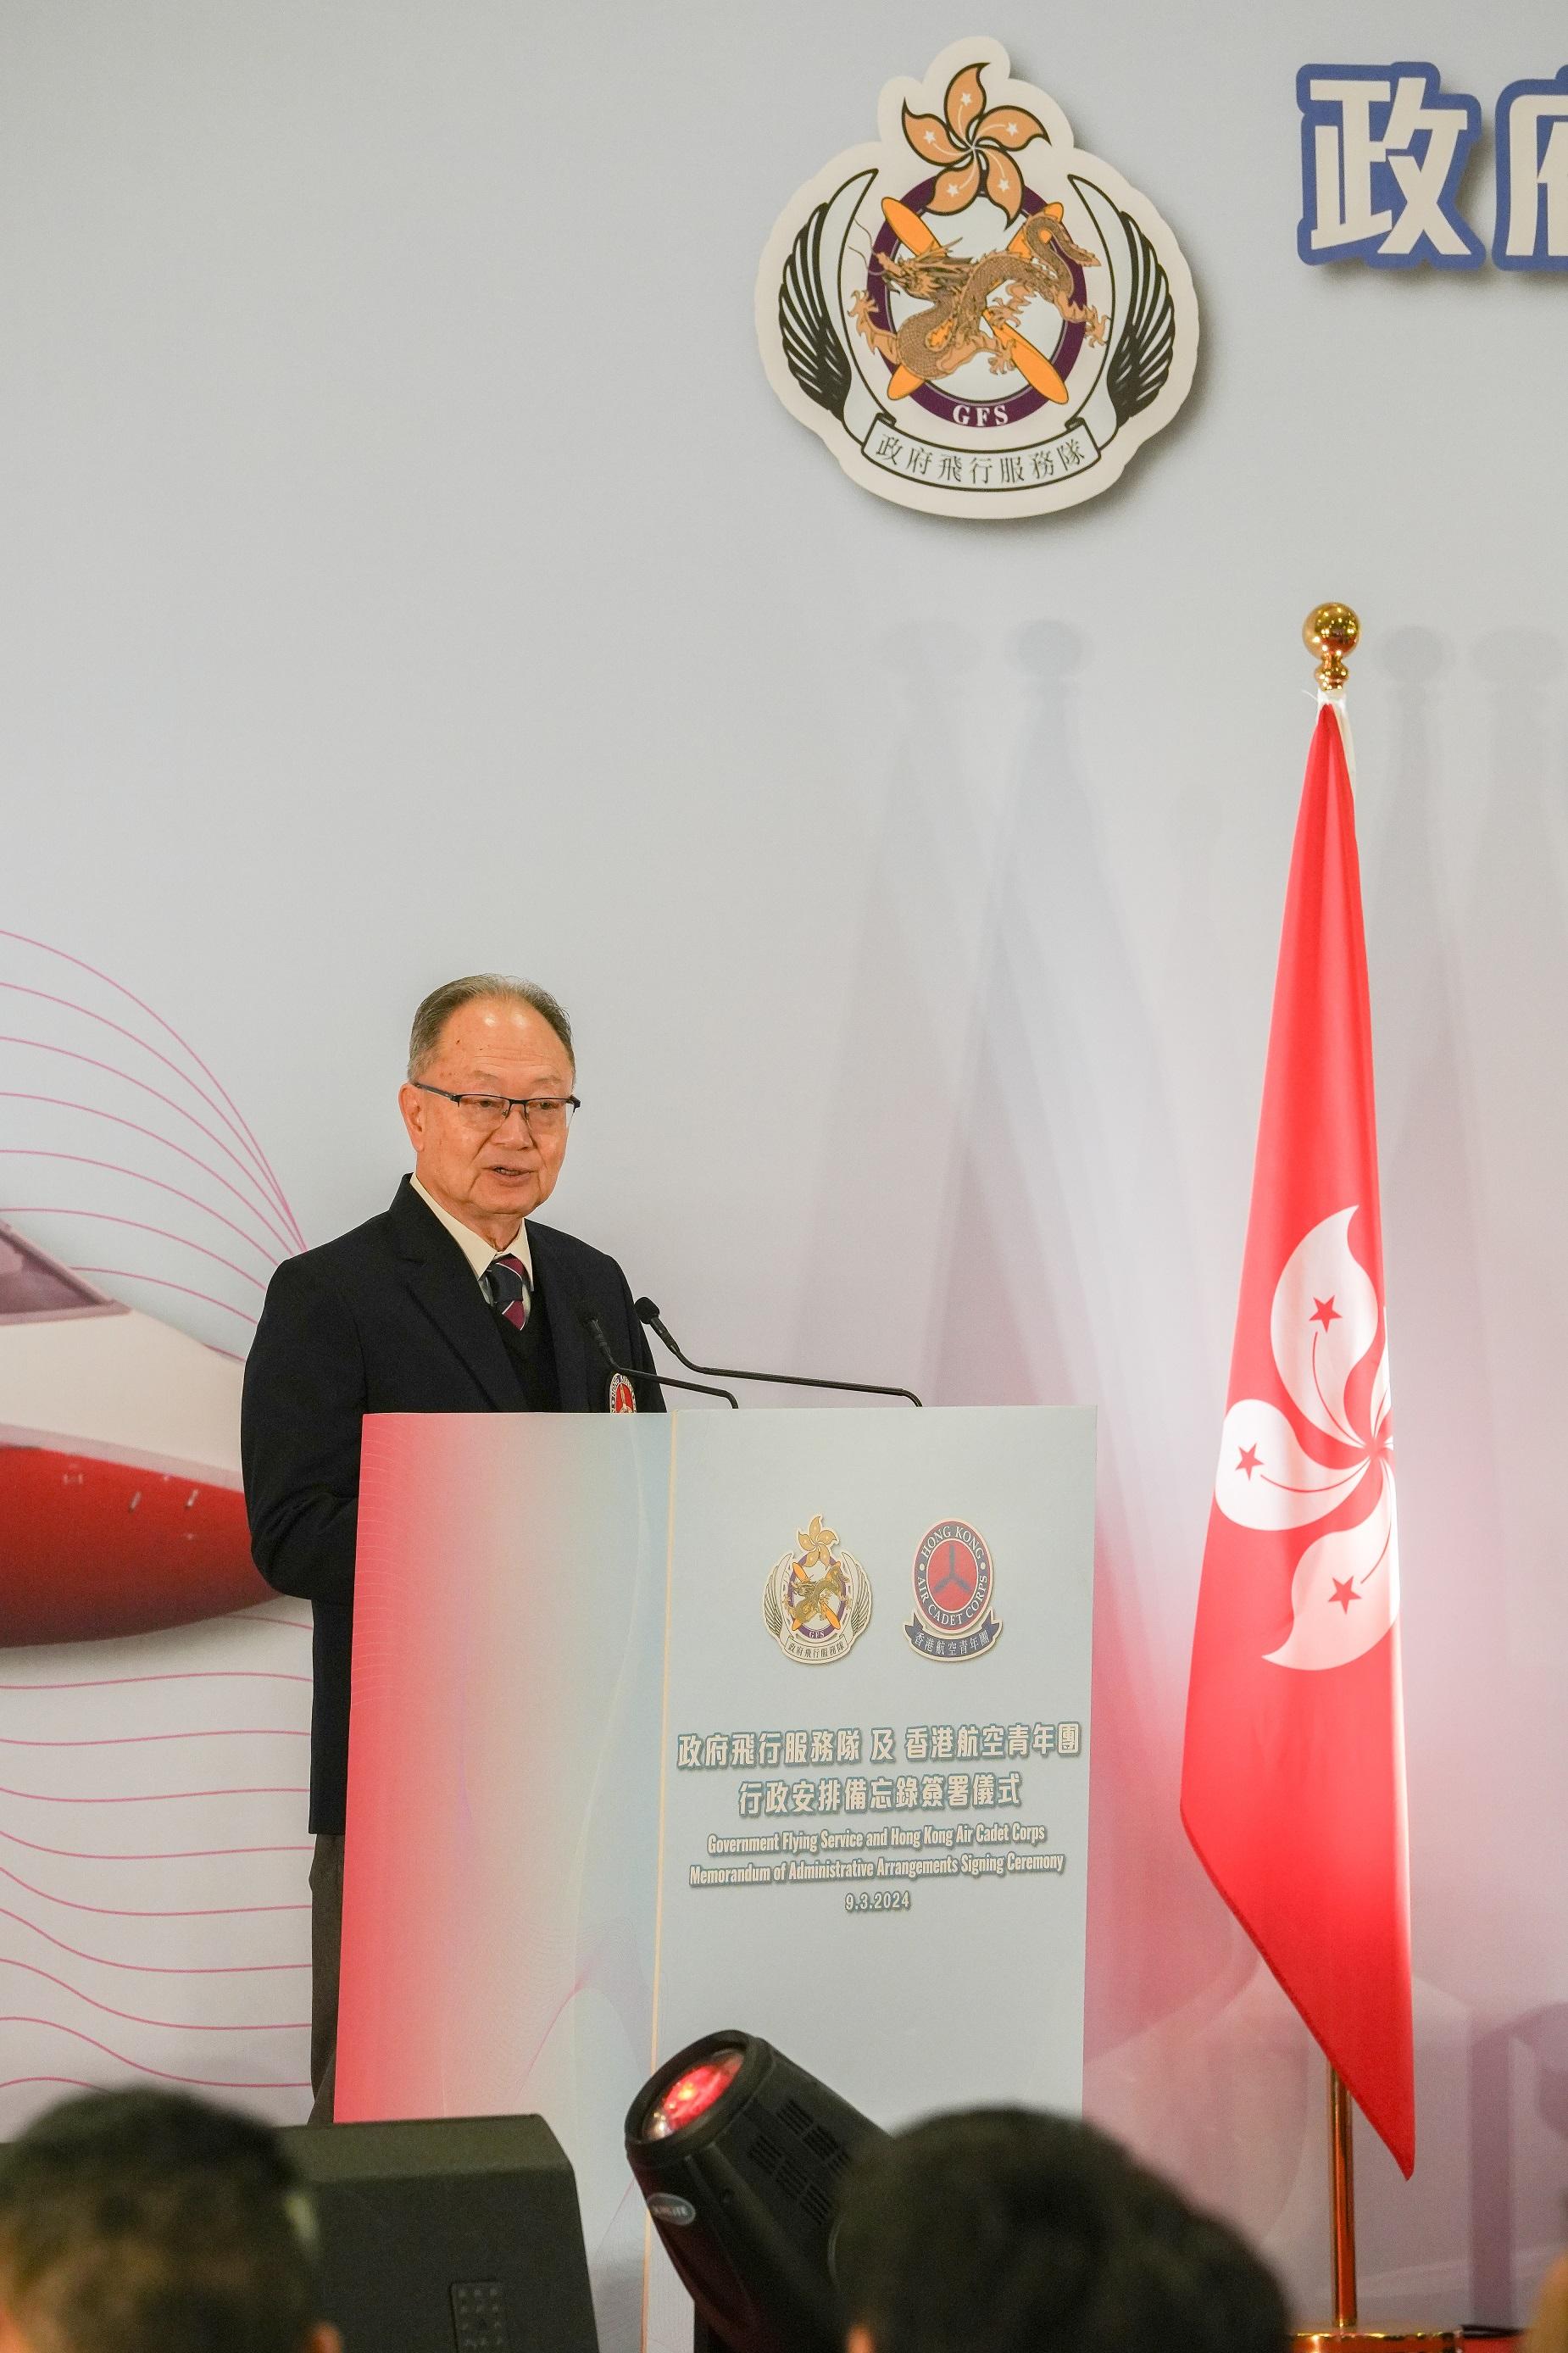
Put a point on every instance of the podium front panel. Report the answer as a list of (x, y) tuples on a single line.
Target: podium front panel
[(894, 1869), (499, 1887), (776, 1720)]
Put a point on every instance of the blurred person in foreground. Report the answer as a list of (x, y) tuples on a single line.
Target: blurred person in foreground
[(1002, 2231), (147, 2223)]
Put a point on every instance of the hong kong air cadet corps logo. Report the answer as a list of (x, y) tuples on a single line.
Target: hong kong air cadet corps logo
[(816, 1603), (954, 1586), (977, 317)]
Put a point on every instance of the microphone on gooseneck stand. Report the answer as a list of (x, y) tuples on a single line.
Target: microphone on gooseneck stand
[(654, 1322), (596, 1332)]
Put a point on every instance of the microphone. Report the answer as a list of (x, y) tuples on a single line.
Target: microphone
[(596, 1332), (654, 1322)]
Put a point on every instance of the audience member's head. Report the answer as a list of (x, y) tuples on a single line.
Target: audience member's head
[(144, 2222), (1000, 2231)]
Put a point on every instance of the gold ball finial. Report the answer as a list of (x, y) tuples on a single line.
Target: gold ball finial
[(1331, 631)]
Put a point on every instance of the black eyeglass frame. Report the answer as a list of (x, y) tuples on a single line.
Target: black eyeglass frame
[(570, 1105)]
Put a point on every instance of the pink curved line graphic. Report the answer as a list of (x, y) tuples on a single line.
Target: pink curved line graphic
[(91, 1111), (184, 1046), (175, 1676), (202, 2083), (117, 1169), (125, 1912), (136, 1226), (129, 995), (157, 1854), (149, 1798), (149, 1968), (72, 2082), (234, 1126), (141, 1739), (113, 1069), (261, 1220), (130, 1274), (167, 2025)]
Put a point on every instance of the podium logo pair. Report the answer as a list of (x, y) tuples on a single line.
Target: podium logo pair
[(817, 1601)]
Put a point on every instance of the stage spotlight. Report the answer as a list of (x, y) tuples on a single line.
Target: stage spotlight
[(740, 2155)]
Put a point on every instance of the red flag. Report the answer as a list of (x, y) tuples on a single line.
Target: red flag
[(1293, 1778)]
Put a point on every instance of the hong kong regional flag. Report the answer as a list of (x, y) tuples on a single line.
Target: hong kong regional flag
[(1293, 1780)]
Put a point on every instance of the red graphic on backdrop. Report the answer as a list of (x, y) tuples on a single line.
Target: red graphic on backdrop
[(125, 1164), (152, 1821), (95, 1547)]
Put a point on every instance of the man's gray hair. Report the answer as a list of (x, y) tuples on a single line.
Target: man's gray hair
[(438, 1007)]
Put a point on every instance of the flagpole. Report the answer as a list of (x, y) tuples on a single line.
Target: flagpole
[(1342, 2201), (1346, 2335), (1331, 632)]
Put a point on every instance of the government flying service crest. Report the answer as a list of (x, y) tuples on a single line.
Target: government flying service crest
[(976, 316), (816, 1603)]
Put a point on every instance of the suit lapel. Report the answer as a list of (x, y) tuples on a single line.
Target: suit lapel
[(442, 1281), (583, 1384)]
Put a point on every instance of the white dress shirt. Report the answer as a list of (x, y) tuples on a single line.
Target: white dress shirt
[(479, 1252)]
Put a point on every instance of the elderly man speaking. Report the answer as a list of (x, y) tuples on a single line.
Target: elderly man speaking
[(451, 1301)]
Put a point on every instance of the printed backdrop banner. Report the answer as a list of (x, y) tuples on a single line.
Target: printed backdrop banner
[(644, 1743)]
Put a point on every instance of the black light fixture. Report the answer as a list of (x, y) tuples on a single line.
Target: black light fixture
[(740, 2155)]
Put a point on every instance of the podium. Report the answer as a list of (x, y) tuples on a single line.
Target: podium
[(776, 1720)]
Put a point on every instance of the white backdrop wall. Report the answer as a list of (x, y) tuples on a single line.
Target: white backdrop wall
[(408, 569)]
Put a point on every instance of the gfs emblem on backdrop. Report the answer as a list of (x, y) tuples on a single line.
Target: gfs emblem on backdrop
[(816, 1602), (977, 317), (954, 1588)]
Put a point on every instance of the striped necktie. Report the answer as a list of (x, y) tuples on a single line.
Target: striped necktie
[(511, 1291)]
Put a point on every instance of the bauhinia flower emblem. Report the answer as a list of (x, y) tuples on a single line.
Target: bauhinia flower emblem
[(817, 1545), (1344, 1593), (975, 143)]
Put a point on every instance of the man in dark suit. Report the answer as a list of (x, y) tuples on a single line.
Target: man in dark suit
[(448, 1302)]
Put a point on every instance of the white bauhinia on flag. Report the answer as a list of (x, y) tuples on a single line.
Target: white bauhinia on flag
[(1293, 1778)]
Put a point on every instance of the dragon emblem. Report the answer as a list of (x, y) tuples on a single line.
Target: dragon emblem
[(962, 321), (817, 1598)]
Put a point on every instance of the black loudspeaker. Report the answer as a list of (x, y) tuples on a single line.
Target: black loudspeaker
[(461, 2235)]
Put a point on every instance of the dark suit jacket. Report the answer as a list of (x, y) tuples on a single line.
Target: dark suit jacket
[(389, 1319)]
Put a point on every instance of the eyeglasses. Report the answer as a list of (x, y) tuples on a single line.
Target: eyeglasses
[(544, 1116)]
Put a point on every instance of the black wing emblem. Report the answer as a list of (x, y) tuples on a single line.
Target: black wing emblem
[(817, 360), (1142, 358)]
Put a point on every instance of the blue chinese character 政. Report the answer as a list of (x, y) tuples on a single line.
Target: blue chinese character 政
[(1384, 150)]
